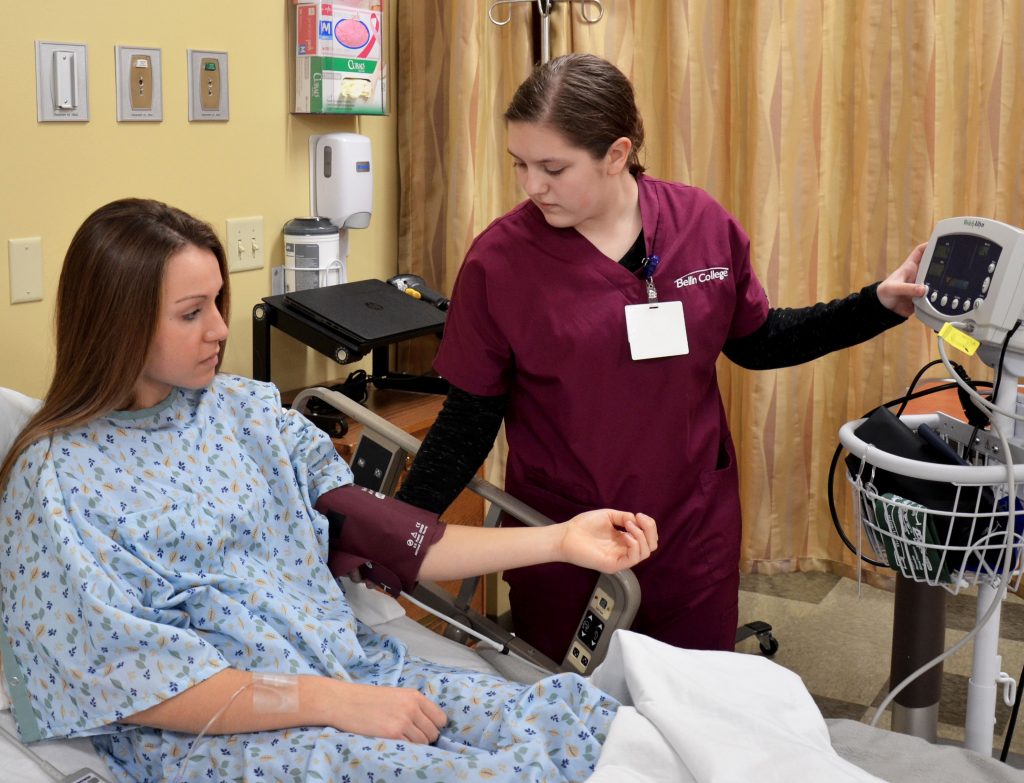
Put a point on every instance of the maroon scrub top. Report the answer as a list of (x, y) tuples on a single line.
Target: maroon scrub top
[(538, 312)]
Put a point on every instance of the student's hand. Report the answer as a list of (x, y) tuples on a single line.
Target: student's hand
[(389, 713), (898, 289), (607, 540)]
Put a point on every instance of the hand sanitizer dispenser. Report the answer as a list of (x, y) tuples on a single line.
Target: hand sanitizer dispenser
[(340, 179), (340, 198)]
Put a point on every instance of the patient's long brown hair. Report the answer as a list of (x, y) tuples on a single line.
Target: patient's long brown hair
[(108, 301)]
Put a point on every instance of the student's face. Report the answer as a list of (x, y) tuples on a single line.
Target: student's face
[(190, 330), (566, 182)]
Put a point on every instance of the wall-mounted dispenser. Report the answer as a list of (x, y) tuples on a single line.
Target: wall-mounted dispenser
[(340, 179), (340, 198)]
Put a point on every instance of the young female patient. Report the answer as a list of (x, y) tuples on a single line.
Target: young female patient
[(162, 555)]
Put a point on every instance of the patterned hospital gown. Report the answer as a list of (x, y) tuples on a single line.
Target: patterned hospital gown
[(146, 551)]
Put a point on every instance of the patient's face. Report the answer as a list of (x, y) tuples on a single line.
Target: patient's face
[(190, 330)]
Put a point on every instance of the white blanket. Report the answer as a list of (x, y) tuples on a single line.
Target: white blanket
[(693, 716)]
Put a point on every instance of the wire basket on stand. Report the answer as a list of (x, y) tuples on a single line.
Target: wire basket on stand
[(948, 525)]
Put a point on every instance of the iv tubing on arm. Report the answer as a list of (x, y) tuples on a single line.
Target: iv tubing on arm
[(370, 710)]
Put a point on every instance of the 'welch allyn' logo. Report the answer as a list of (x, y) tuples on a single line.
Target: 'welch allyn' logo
[(702, 276)]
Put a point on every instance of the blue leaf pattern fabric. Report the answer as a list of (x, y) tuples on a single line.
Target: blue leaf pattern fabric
[(148, 550)]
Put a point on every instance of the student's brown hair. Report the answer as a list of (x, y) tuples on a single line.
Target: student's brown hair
[(586, 99), (108, 301)]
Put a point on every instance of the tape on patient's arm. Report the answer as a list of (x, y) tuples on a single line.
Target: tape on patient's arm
[(17, 689), (385, 538), (275, 692)]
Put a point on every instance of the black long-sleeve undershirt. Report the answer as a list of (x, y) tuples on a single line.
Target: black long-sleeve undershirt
[(794, 335), (467, 425), (454, 449)]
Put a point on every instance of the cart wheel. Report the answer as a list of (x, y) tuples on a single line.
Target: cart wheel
[(768, 646)]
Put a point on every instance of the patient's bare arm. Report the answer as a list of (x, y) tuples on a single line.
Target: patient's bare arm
[(403, 543), (370, 710), (603, 540)]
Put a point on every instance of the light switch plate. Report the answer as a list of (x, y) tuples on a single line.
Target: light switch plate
[(62, 70), (139, 84), (245, 244), (207, 85), (25, 258)]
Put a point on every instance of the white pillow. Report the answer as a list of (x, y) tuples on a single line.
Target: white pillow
[(15, 410)]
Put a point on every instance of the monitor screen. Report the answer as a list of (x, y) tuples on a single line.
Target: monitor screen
[(960, 262)]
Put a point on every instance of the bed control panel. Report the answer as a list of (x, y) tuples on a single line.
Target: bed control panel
[(590, 642), (378, 464)]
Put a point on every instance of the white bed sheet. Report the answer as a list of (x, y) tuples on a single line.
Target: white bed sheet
[(715, 716), (696, 715)]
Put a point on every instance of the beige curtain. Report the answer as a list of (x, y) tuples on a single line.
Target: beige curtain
[(837, 132), (456, 71)]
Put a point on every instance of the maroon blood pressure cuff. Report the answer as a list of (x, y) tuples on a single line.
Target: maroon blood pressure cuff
[(384, 538)]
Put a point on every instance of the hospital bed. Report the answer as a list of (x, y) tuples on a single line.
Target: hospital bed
[(687, 715)]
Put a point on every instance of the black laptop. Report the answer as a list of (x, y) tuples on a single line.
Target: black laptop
[(368, 311)]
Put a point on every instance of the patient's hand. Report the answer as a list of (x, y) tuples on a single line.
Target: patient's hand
[(608, 540), (390, 713)]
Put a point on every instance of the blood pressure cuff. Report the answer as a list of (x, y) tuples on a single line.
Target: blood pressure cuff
[(384, 538), (884, 430)]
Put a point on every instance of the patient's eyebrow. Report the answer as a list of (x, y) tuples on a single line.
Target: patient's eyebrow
[(190, 297)]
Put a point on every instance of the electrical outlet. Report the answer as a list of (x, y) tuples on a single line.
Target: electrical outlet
[(245, 244), (139, 89)]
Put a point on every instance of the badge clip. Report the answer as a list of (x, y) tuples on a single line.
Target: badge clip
[(650, 266)]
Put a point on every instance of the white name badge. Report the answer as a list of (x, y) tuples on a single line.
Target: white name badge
[(656, 329)]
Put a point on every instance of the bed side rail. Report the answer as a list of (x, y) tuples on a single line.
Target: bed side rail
[(613, 602)]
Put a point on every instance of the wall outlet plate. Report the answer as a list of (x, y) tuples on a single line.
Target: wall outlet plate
[(62, 83), (245, 244), (139, 84), (25, 259), (207, 85)]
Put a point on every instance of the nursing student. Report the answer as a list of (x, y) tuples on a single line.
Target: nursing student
[(168, 535), (549, 330)]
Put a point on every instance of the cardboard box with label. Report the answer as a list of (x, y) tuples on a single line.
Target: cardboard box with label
[(339, 66)]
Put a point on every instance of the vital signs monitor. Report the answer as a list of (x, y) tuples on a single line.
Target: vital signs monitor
[(973, 269)]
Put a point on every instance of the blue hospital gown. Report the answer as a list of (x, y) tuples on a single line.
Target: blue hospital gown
[(148, 550)]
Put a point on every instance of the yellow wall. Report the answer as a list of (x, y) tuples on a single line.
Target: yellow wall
[(55, 174)]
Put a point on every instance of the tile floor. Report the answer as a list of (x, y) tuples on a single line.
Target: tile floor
[(837, 637)]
